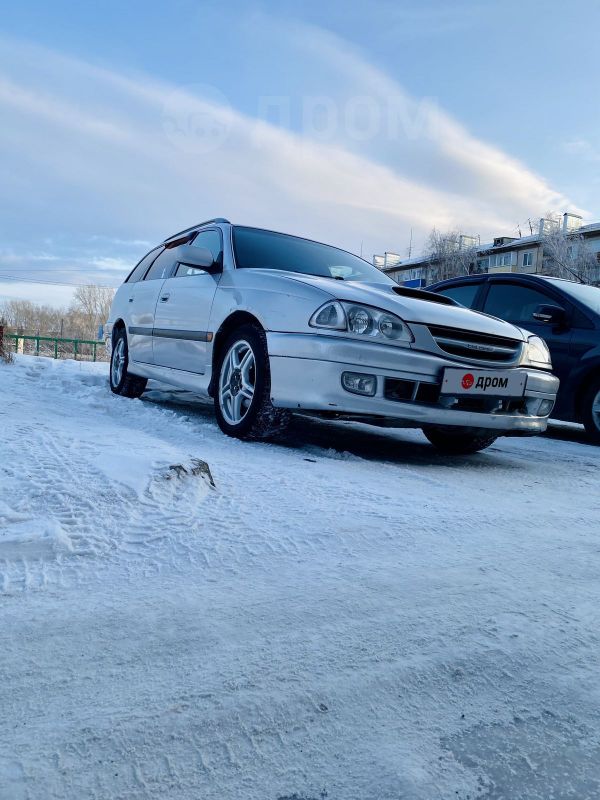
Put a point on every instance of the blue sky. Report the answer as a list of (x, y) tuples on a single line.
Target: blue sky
[(350, 122)]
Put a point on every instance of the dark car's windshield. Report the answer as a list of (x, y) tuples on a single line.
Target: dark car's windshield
[(588, 295), (260, 249)]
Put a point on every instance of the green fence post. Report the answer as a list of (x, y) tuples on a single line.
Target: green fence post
[(95, 350), (75, 349), (37, 346), (56, 348)]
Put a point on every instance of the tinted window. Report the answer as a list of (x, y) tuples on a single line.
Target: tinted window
[(260, 249), (587, 295), (465, 295), (138, 272), (211, 240), (162, 266), (512, 302)]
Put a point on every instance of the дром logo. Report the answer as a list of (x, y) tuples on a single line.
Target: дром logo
[(468, 381)]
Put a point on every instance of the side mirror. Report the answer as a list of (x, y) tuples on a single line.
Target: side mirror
[(198, 257), (550, 315)]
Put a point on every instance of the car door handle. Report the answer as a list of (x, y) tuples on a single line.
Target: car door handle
[(164, 298)]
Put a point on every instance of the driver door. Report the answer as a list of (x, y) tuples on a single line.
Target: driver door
[(516, 303)]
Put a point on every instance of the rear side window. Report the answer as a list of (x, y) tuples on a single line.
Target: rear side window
[(163, 265), (138, 272), (514, 302), (465, 294)]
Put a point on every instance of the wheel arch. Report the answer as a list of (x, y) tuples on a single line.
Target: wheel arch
[(586, 380), (119, 325), (233, 321)]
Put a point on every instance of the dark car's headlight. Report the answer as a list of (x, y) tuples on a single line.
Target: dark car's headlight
[(354, 318)]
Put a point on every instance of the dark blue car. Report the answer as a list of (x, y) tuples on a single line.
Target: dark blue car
[(564, 313)]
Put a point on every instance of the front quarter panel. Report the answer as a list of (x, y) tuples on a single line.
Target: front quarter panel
[(278, 302)]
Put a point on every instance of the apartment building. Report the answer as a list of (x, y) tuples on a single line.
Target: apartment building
[(558, 246)]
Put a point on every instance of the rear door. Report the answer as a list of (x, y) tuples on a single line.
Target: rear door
[(516, 302), (143, 300), (183, 310)]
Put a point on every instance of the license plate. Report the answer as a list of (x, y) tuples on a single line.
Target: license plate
[(494, 383)]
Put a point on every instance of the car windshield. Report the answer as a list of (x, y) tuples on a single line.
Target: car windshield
[(588, 295), (259, 249)]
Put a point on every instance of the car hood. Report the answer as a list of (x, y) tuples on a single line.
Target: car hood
[(411, 309)]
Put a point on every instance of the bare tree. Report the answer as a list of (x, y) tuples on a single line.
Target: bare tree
[(566, 254), (89, 309), (450, 255), (93, 304)]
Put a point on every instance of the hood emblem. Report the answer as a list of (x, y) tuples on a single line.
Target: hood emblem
[(482, 348)]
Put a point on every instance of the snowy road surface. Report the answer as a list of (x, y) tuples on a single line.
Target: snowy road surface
[(347, 615)]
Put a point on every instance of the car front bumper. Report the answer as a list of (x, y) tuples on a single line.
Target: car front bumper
[(306, 371)]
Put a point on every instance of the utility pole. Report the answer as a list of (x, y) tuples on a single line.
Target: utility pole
[(410, 243)]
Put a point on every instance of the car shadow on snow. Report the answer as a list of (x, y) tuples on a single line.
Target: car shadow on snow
[(570, 432), (342, 440)]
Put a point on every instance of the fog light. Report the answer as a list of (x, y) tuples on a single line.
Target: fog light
[(357, 383), (545, 408)]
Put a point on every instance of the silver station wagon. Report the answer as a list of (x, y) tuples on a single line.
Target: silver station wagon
[(267, 324)]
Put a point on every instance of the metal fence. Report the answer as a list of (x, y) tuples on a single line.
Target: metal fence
[(55, 347)]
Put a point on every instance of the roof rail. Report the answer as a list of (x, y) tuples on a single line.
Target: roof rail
[(195, 227)]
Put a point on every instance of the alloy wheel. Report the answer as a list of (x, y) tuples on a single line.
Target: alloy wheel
[(118, 362), (596, 410), (237, 382)]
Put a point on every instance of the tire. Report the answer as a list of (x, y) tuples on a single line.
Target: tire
[(121, 381), (591, 411), (242, 394), (459, 442)]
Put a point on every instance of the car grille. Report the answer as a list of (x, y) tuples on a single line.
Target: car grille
[(402, 391), (475, 346)]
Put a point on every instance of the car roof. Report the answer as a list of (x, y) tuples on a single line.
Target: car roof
[(526, 276)]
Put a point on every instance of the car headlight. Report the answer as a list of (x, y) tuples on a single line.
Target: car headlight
[(360, 320), (536, 353)]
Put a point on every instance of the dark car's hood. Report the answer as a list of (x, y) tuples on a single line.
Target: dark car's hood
[(412, 309)]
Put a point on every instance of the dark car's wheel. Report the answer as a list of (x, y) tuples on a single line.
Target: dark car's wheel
[(121, 381), (459, 442), (591, 411), (243, 386)]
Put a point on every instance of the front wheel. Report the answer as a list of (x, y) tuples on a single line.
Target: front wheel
[(243, 392), (591, 412), (121, 381), (459, 442)]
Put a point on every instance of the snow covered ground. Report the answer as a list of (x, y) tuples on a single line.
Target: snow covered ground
[(346, 615)]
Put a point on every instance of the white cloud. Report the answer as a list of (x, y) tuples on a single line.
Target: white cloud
[(583, 149), (119, 161)]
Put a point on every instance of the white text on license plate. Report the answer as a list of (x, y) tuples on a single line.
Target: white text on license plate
[(498, 383)]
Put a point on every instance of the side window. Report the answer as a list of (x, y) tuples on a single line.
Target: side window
[(513, 302), (162, 266), (211, 240), (465, 294), (138, 272)]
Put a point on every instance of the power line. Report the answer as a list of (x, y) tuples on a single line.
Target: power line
[(20, 278)]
